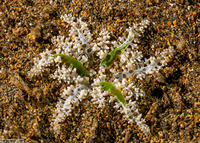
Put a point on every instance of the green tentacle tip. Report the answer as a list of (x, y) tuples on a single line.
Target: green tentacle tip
[(110, 58), (114, 92), (80, 69)]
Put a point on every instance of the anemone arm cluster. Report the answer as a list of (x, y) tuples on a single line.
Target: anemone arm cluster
[(78, 88)]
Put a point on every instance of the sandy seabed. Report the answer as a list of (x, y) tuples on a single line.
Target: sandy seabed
[(172, 107)]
